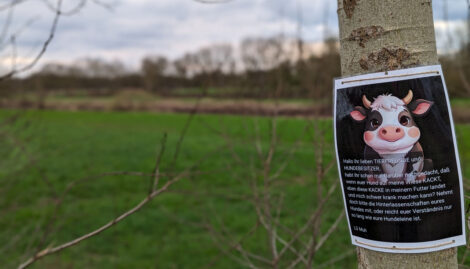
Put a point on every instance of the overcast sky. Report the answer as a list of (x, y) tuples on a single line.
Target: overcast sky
[(135, 28)]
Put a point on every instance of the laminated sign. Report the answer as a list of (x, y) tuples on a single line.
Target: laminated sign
[(398, 161)]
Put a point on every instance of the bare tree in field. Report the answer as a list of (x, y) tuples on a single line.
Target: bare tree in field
[(153, 69), (216, 58), (264, 61), (316, 72), (181, 66), (210, 62), (261, 53), (207, 65), (287, 244)]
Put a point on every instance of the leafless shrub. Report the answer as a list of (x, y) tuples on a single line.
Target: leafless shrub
[(288, 245)]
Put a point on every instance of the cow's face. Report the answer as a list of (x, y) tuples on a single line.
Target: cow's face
[(389, 124)]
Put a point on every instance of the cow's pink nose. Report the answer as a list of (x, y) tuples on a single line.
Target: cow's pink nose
[(391, 133)]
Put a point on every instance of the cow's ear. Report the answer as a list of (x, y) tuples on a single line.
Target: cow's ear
[(420, 107), (358, 114)]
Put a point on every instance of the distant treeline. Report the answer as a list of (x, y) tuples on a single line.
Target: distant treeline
[(260, 68)]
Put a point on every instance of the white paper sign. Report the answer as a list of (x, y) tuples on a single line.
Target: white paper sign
[(398, 161)]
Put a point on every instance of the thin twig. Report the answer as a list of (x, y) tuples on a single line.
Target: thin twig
[(108, 6), (336, 259), (330, 231), (156, 178), (49, 251), (245, 262), (146, 200), (312, 218), (11, 5), (6, 25), (43, 49), (290, 154), (244, 237), (79, 6), (183, 132)]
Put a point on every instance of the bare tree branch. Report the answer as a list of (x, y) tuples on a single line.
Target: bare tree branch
[(330, 231), (11, 4), (49, 251), (337, 259), (243, 238), (42, 50), (57, 10), (146, 200), (6, 25), (313, 217), (70, 12), (108, 6), (221, 246), (185, 129), (157, 165)]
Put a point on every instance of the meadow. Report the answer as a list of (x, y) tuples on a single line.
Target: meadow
[(42, 152)]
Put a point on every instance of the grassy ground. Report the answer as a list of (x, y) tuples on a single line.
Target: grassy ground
[(51, 149), (139, 100)]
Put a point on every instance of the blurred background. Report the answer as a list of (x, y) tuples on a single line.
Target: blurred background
[(211, 120)]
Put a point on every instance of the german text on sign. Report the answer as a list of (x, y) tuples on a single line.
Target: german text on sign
[(398, 161)]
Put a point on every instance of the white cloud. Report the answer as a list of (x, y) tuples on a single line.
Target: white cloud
[(136, 28), (450, 35)]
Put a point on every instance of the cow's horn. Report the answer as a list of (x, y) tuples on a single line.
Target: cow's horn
[(408, 97), (365, 101)]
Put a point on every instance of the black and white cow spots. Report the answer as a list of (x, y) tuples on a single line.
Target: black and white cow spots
[(391, 133)]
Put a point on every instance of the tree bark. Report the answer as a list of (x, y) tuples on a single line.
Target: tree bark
[(382, 35)]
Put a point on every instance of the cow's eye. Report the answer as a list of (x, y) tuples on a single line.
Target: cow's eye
[(374, 123), (405, 120)]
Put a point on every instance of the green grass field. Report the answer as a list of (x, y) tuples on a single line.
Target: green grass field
[(43, 152)]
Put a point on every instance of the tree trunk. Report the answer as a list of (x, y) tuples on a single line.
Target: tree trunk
[(382, 35)]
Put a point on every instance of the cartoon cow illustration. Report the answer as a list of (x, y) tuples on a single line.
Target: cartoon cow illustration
[(391, 137)]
